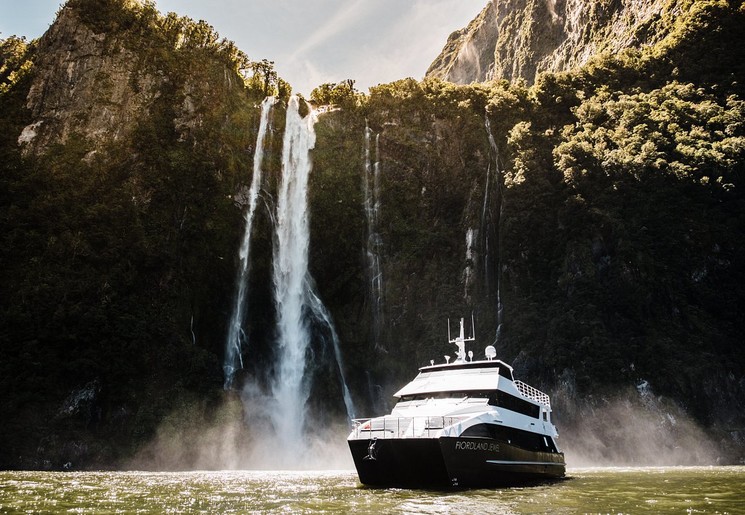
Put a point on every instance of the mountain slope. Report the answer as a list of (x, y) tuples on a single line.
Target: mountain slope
[(597, 214), (513, 39), (124, 141)]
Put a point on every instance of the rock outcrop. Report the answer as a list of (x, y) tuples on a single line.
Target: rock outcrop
[(84, 83), (99, 85), (514, 39)]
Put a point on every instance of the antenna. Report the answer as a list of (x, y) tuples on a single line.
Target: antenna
[(461, 340), (462, 336)]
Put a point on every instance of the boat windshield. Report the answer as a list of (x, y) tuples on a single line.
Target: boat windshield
[(494, 398), (447, 395)]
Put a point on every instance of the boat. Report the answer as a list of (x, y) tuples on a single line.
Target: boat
[(460, 424)]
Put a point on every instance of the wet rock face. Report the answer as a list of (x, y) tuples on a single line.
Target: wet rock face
[(86, 84), (99, 87), (518, 39)]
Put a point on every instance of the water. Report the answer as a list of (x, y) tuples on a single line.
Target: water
[(498, 222), (235, 341), (468, 270), (371, 189), (604, 490), (290, 267), (322, 314), (296, 301)]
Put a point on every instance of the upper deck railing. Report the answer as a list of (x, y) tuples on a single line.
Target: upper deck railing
[(533, 393)]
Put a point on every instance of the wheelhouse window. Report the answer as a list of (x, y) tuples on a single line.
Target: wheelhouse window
[(495, 398), (515, 404)]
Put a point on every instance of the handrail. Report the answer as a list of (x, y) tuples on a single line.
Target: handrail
[(533, 393), (402, 427)]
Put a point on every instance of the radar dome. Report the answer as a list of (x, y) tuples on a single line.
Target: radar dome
[(490, 352)]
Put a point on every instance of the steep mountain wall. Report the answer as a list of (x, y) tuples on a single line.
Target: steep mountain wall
[(601, 209), (98, 79), (513, 39), (126, 140), (85, 83)]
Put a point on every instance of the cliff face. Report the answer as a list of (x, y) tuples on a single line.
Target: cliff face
[(596, 214), (125, 138), (514, 39), (99, 85), (84, 83)]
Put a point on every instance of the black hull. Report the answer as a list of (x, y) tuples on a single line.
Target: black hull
[(451, 462)]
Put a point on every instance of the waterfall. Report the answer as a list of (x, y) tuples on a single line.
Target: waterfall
[(498, 223), (321, 314), (233, 360), (371, 189), (290, 266), (294, 295), (468, 270)]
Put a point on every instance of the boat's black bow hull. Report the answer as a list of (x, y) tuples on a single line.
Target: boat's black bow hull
[(451, 462)]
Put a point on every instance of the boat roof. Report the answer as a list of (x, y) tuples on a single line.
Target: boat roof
[(459, 365), (457, 377)]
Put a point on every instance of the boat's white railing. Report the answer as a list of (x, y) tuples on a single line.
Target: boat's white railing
[(402, 427), (533, 393)]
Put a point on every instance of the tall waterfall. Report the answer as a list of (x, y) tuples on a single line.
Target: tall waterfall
[(498, 223), (236, 339), (294, 296), (371, 188)]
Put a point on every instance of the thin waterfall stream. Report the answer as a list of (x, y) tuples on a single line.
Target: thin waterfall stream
[(237, 338), (371, 190), (499, 200)]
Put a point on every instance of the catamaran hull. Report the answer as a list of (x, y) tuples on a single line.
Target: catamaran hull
[(451, 462)]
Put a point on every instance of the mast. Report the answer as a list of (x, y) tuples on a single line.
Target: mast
[(461, 339)]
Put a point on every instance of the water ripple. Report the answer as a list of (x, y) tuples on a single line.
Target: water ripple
[(639, 490)]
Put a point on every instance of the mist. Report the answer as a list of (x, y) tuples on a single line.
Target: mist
[(238, 435), (633, 428)]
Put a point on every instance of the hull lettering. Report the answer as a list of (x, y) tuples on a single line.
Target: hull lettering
[(465, 445)]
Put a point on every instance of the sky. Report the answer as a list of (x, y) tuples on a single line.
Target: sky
[(310, 41)]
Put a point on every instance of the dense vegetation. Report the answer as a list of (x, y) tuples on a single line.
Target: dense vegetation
[(116, 264), (609, 220), (619, 231)]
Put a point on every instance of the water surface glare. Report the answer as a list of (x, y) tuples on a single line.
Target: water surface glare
[(597, 490)]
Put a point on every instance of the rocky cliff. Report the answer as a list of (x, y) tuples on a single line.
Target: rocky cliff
[(85, 83), (125, 138), (592, 223), (94, 74), (514, 39)]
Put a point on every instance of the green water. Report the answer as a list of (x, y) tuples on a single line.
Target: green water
[(603, 490)]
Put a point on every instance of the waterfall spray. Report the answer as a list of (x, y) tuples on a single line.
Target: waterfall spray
[(371, 188), (498, 184), (236, 336)]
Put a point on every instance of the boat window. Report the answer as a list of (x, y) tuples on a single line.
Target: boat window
[(512, 403), (476, 394), (506, 372)]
